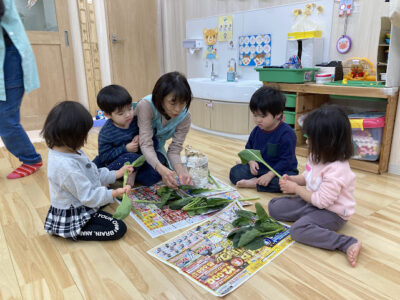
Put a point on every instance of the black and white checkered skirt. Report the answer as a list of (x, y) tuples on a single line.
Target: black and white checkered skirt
[(68, 223)]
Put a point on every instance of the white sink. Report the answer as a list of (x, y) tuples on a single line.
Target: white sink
[(222, 90)]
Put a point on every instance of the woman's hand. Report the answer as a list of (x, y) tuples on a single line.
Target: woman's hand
[(254, 167), (168, 176), (183, 175), (120, 173), (121, 191)]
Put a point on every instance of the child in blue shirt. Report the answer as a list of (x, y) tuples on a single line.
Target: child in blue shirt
[(275, 139), (118, 140)]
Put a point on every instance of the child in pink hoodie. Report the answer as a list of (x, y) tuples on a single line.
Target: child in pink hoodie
[(324, 198)]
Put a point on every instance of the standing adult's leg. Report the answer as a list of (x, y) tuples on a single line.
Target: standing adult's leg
[(11, 131)]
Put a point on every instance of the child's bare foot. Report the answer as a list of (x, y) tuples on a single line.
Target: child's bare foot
[(247, 183), (352, 253), (131, 179)]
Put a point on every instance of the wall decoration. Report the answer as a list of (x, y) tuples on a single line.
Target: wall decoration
[(210, 38), (345, 6), (343, 44), (225, 28), (255, 50)]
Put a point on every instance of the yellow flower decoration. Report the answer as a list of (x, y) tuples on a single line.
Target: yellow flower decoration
[(320, 9), (297, 12)]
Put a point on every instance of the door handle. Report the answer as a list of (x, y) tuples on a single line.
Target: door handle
[(66, 38), (114, 38)]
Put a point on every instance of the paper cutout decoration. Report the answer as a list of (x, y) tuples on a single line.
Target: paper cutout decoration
[(225, 28), (210, 37), (345, 6), (255, 50)]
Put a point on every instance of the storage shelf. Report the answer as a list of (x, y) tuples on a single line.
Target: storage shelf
[(311, 96), (369, 166)]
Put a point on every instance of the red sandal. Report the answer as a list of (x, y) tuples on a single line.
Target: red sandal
[(24, 170)]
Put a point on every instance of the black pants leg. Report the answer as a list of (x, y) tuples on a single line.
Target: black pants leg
[(102, 227)]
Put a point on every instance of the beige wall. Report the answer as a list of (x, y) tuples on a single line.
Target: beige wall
[(363, 27)]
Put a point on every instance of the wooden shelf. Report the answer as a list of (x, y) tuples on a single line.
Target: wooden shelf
[(369, 166), (311, 96)]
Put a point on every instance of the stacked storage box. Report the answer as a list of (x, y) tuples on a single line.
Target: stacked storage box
[(289, 113), (367, 131)]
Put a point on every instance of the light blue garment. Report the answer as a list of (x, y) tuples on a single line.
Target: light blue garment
[(163, 133), (12, 24)]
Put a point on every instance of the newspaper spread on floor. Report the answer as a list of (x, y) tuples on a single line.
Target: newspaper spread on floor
[(157, 222), (206, 256)]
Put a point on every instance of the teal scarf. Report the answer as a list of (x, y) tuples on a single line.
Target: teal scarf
[(162, 134)]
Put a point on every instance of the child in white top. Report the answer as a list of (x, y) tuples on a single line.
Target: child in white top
[(324, 198), (77, 186)]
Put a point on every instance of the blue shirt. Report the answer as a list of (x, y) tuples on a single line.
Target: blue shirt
[(12, 24), (277, 148), (112, 140)]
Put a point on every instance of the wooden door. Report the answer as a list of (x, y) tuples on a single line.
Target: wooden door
[(134, 44), (48, 30)]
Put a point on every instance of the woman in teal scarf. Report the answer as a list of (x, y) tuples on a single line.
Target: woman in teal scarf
[(164, 114)]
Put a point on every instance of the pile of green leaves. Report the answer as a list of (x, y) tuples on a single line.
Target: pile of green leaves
[(193, 205), (253, 228), (202, 205)]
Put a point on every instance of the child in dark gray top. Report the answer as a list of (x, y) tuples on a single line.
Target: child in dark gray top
[(77, 186)]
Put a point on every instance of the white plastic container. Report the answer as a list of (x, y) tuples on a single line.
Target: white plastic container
[(322, 78)]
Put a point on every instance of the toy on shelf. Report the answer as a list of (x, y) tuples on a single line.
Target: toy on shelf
[(100, 115), (358, 68)]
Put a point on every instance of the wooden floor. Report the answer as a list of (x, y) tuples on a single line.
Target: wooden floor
[(36, 265)]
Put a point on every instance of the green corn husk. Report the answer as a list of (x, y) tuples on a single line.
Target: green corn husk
[(251, 154)]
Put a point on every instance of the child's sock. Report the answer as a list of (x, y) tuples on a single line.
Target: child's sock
[(24, 170)]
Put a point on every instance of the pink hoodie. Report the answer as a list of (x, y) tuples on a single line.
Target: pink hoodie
[(332, 185)]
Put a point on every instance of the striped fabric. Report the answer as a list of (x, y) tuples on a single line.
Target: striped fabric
[(24, 170)]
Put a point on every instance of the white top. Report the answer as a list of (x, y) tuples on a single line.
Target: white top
[(75, 181)]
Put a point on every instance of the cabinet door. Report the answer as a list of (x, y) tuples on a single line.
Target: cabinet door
[(230, 117), (201, 110), (251, 121)]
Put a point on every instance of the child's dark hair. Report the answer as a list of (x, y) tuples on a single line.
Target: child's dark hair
[(267, 100), (173, 83), (67, 124), (113, 97), (329, 134)]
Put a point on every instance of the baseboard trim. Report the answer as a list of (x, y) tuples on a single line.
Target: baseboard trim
[(242, 137), (394, 169)]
